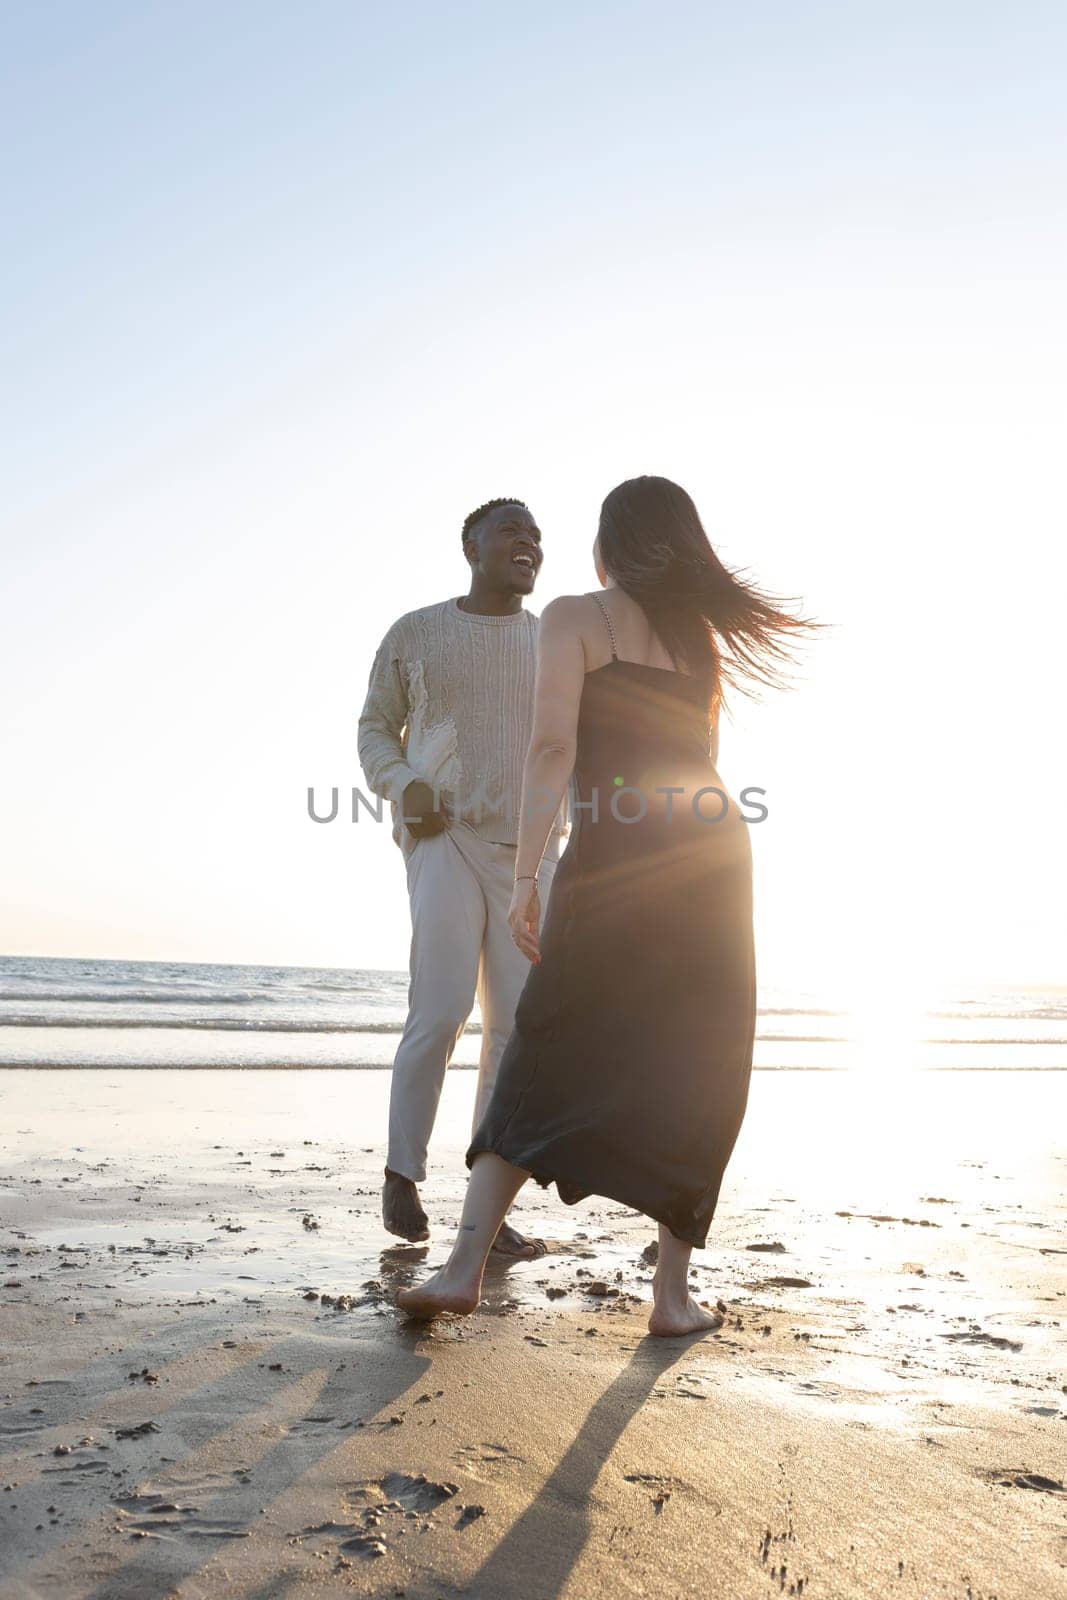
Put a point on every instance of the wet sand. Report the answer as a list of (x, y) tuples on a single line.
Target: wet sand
[(205, 1389)]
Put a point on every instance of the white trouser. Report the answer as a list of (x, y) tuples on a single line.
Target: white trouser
[(459, 885)]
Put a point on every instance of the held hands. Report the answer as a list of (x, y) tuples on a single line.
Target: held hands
[(421, 817), (524, 917)]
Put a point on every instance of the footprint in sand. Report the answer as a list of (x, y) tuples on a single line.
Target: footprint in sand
[(348, 1537), (418, 1493), (1020, 1478)]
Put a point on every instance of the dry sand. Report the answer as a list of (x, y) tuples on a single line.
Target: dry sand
[(185, 1409)]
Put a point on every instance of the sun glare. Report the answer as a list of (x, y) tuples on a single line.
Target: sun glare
[(888, 1018)]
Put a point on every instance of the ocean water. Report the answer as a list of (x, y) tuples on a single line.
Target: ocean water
[(89, 1013)]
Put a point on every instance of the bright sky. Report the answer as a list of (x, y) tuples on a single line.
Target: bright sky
[(290, 289)]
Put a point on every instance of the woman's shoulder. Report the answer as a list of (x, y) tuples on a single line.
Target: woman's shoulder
[(569, 617), (570, 608)]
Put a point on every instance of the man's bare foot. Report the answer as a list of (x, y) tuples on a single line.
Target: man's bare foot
[(402, 1211), (514, 1246), (675, 1320), (441, 1292)]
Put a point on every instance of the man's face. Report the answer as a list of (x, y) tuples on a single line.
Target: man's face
[(505, 547)]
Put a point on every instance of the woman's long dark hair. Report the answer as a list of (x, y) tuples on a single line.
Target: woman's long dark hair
[(725, 631)]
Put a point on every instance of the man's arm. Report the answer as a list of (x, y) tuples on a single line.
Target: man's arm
[(381, 725), (381, 749)]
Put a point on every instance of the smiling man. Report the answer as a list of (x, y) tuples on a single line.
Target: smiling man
[(443, 737)]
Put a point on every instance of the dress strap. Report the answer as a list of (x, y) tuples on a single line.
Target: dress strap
[(611, 630)]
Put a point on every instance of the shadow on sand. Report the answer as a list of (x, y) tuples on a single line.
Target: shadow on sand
[(543, 1546)]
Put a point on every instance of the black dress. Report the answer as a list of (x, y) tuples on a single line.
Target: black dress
[(627, 1071)]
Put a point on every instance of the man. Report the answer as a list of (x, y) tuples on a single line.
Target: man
[(443, 737)]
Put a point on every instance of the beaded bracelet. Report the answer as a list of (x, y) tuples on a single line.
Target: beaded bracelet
[(519, 876)]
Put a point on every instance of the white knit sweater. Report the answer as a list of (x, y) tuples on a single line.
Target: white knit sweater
[(450, 701)]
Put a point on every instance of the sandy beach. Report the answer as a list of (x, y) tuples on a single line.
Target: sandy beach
[(206, 1390)]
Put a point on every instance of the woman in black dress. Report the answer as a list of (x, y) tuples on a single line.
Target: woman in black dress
[(627, 1071)]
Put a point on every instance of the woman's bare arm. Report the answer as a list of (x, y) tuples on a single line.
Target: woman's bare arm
[(553, 740)]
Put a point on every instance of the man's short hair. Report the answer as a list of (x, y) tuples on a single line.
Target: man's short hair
[(490, 505)]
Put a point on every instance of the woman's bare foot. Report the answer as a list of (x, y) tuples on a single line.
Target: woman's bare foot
[(402, 1211), (443, 1291), (514, 1246), (674, 1319)]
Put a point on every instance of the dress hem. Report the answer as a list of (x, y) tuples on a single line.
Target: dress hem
[(698, 1242)]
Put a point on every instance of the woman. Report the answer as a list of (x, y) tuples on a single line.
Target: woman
[(627, 1072)]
